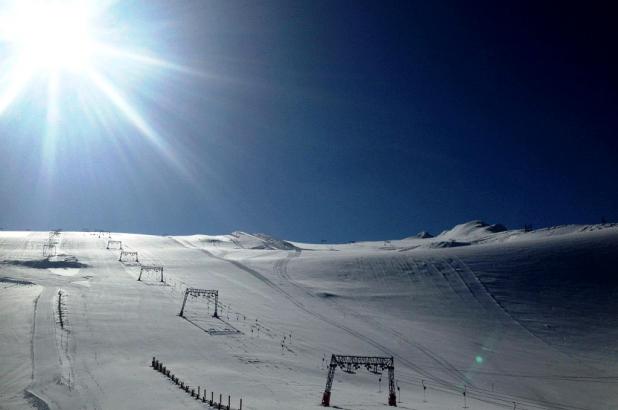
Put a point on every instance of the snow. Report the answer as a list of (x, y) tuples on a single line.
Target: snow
[(509, 316), (18, 299)]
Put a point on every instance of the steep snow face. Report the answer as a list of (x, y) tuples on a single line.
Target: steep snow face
[(513, 317)]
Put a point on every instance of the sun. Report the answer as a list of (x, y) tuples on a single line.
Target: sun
[(50, 35), (74, 46)]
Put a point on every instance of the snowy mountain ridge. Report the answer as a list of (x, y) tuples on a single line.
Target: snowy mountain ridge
[(469, 233)]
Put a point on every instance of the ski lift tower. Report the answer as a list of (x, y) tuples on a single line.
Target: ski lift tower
[(200, 292), (351, 363)]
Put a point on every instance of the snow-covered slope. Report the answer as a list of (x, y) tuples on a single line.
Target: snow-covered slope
[(506, 316)]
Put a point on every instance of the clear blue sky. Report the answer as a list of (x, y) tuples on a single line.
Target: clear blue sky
[(336, 120)]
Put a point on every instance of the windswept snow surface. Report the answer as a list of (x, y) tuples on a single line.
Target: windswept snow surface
[(513, 318)]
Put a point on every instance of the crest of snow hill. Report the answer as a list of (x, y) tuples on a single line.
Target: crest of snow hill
[(470, 233), (243, 240)]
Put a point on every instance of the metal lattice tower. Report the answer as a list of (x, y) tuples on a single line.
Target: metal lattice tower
[(114, 244), (148, 268), (351, 363), (49, 249), (201, 292), (124, 255)]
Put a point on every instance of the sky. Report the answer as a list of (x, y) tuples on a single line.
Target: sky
[(322, 120)]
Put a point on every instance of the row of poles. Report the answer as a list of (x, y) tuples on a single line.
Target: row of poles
[(464, 393), (198, 394), (60, 312)]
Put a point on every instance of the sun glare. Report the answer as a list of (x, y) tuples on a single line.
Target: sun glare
[(50, 35), (63, 40)]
